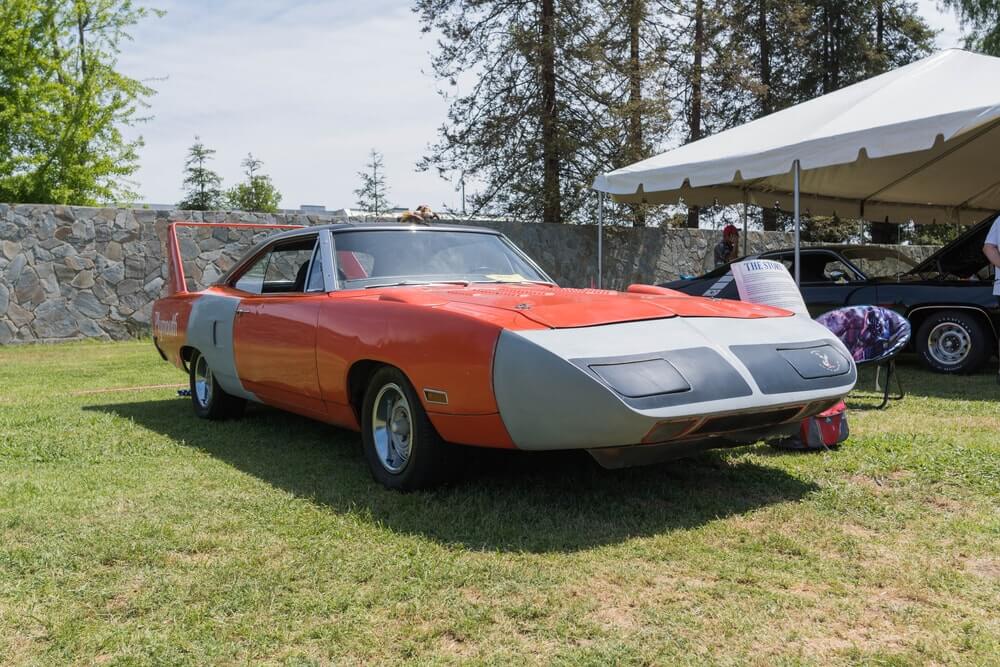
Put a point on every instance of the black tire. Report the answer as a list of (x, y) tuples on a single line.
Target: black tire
[(416, 459), (953, 341), (209, 400)]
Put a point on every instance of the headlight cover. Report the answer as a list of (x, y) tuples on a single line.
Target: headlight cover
[(817, 362), (638, 379)]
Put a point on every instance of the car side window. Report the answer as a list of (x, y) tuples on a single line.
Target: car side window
[(835, 271), (785, 258), (282, 269), (252, 280)]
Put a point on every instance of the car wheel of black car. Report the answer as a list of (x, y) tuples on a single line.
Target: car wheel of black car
[(402, 448), (951, 341), (210, 400)]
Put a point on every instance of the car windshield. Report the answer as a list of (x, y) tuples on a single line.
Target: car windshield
[(377, 258), (878, 262)]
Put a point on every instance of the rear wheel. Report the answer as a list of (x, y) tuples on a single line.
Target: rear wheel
[(952, 341), (210, 401), (402, 448)]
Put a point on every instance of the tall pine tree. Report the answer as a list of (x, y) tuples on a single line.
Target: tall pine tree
[(513, 129), (202, 186), (373, 193)]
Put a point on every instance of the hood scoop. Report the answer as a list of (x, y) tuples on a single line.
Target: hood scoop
[(414, 297), (565, 308)]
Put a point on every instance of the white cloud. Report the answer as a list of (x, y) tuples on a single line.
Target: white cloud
[(309, 89), (943, 20)]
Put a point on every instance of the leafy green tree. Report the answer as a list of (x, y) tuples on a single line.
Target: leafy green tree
[(931, 234), (981, 21), (63, 105), (257, 193), (203, 187), (373, 193)]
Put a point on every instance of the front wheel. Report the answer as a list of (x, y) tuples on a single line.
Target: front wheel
[(402, 448), (209, 399), (952, 341)]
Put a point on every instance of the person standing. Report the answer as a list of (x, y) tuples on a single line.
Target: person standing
[(992, 251), (727, 250)]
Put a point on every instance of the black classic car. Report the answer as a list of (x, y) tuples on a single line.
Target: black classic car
[(948, 298)]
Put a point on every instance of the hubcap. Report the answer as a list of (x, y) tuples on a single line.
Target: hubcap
[(202, 382), (949, 344), (392, 428)]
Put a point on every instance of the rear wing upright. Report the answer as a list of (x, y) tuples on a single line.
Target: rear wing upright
[(176, 283)]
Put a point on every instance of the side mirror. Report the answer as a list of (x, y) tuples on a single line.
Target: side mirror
[(837, 276)]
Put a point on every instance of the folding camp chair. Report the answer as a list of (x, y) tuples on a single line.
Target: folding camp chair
[(874, 336)]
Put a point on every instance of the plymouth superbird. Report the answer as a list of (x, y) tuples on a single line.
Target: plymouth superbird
[(427, 337)]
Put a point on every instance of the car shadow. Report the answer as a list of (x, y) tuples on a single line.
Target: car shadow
[(503, 500)]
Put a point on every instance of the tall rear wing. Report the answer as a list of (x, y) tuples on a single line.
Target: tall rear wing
[(176, 283)]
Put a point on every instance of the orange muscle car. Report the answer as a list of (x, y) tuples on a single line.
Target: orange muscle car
[(426, 337)]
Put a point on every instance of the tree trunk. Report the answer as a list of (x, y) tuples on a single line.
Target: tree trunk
[(838, 31), (826, 49), (696, 74), (880, 59), (635, 146), (880, 27), (767, 99), (770, 216), (550, 141)]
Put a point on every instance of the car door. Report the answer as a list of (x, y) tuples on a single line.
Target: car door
[(274, 334)]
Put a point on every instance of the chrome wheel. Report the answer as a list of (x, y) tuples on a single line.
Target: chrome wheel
[(392, 428), (949, 343), (202, 382)]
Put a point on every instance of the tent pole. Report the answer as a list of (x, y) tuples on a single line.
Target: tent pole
[(798, 222), (744, 223), (600, 238)]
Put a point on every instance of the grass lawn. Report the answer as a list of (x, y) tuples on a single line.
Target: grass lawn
[(133, 533)]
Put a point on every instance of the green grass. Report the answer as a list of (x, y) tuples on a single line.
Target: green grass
[(133, 533)]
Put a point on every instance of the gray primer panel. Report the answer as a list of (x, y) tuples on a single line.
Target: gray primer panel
[(548, 403), (775, 375), (210, 331)]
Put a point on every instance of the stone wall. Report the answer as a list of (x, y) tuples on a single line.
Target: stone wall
[(76, 272)]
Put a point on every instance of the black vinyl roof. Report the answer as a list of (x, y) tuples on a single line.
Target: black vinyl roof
[(380, 227)]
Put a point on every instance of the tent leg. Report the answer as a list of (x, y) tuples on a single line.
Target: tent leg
[(798, 222), (744, 223), (600, 239)]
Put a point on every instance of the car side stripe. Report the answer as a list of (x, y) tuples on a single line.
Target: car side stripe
[(719, 285)]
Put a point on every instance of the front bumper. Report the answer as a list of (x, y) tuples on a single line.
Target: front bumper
[(669, 380)]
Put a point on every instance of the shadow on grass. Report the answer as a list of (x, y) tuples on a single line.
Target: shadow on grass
[(538, 502)]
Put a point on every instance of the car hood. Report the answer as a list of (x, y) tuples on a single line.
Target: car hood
[(962, 257), (560, 308)]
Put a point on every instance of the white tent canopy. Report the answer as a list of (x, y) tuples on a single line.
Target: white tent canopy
[(919, 143)]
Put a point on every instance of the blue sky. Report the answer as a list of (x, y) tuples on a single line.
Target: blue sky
[(308, 87)]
